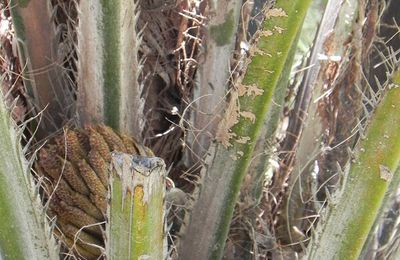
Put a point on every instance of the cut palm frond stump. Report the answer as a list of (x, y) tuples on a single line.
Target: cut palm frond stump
[(74, 169)]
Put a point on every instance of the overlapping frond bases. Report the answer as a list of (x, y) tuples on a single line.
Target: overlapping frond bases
[(74, 167)]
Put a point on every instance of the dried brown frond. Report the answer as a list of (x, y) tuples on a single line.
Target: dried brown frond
[(171, 51), (65, 18)]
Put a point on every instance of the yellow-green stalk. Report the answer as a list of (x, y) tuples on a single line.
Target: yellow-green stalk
[(209, 221), (347, 225), (24, 230), (136, 223)]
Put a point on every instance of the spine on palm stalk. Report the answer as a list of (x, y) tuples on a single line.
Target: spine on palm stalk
[(74, 167)]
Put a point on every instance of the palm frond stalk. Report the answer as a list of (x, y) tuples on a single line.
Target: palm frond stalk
[(136, 221), (377, 158), (249, 104), (25, 232), (108, 65)]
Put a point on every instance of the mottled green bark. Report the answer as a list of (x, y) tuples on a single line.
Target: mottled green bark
[(210, 219)]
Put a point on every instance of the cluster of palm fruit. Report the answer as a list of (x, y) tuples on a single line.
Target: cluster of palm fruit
[(73, 168)]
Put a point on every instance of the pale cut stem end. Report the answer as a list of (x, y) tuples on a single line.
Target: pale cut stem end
[(136, 213)]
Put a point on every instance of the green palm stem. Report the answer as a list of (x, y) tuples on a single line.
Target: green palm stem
[(24, 230), (136, 223), (380, 242), (109, 92), (108, 65), (212, 77), (228, 165), (344, 231)]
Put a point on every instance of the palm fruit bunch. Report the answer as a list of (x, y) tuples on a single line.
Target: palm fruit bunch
[(73, 169)]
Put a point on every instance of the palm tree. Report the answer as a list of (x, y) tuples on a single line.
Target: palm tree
[(254, 157)]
